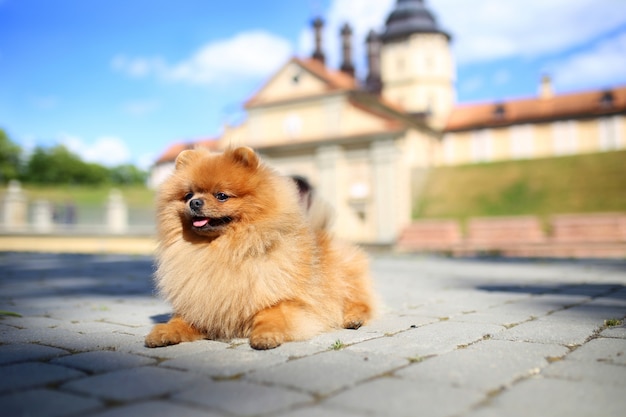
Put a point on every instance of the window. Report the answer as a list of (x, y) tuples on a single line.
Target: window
[(610, 134), (521, 141), (448, 149), (481, 146), (564, 138)]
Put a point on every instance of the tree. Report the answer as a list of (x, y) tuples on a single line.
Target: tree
[(57, 165), (10, 155), (128, 175)]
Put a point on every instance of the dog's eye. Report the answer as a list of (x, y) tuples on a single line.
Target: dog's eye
[(221, 197), (188, 196)]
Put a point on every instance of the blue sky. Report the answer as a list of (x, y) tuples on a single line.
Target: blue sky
[(119, 81)]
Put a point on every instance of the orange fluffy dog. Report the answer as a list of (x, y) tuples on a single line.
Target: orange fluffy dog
[(239, 256)]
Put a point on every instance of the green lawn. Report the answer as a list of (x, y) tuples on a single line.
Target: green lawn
[(542, 187), (135, 196)]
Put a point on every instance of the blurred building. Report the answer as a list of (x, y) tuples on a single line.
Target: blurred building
[(367, 145)]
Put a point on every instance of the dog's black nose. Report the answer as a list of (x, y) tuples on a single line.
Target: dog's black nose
[(196, 203)]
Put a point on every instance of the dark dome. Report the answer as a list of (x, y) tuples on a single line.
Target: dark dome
[(408, 17)]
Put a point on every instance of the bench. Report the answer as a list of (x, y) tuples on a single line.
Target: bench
[(500, 233), (430, 235)]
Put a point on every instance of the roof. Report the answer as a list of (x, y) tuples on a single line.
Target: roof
[(335, 80), (409, 17), (534, 110), (172, 152)]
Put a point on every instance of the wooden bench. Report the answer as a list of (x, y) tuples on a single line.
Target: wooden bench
[(430, 235), (589, 228), (502, 233)]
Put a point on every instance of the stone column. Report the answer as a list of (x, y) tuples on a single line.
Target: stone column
[(388, 190), (116, 213), (15, 207), (329, 164), (42, 216)]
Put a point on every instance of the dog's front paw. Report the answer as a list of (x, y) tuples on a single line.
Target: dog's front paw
[(264, 341), (172, 333), (352, 323), (162, 335)]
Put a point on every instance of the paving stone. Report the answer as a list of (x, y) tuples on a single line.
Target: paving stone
[(542, 397), (591, 313), (550, 329), (323, 411), (242, 398), (602, 350), (46, 403), (486, 365), (393, 323), (436, 338), (24, 352), (398, 398), (346, 336), (155, 409), (618, 332), (225, 362), (289, 350), (103, 361), (77, 342), (327, 372), (133, 384), (590, 372), (427, 353), (176, 351), (34, 374)]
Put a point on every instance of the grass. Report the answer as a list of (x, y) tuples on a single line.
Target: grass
[(135, 196), (9, 313), (540, 187), (338, 345), (613, 322)]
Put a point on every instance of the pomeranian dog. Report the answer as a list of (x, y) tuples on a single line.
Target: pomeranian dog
[(245, 252)]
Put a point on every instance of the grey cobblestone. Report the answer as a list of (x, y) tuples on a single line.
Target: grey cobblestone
[(46, 403), (499, 364), (155, 409), (22, 352), (462, 338), (328, 372), (98, 361), (242, 398), (33, 374), (132, 384)]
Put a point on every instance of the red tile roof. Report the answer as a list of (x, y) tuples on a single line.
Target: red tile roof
[(172, 152), (558, 107)]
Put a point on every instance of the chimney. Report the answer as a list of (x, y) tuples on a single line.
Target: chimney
[(318, 24), (373, 81), (545, 89), (346, 65)]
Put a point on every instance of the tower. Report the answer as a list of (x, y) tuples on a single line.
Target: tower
[(417, 69)]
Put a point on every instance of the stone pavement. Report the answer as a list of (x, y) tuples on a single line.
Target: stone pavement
[(455, 338)]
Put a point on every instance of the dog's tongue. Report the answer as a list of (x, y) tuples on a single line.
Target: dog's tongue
[(200, 222)]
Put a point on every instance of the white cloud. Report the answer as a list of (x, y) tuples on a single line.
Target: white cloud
[(472, 84), (602, 66), (491, 29), (248, 55), (141, 107), (106, 150), (145, 161)]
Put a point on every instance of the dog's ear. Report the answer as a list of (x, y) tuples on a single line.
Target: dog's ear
[(184, 158), (244, 156)]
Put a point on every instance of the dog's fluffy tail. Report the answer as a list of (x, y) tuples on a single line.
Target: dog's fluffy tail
[(318, 211)]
